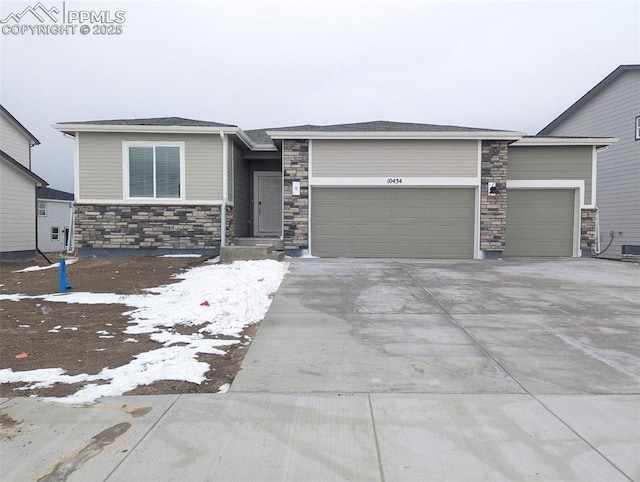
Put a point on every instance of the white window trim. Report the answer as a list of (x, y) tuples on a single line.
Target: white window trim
[(57, 238), (125, 170), (44, 203), (638, 128)]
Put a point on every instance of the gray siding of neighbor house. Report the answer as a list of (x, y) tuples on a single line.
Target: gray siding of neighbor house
[(101, 164), (13, 141), (552, 162), (612, 112), (58, 214), (397, 158), (17, 210), (241, 193)]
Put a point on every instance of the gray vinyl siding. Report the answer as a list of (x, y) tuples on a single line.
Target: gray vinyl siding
[(612, 113), (388, 222), (241, 194), (552, 162), (397, 158), (101, 164), (58, 213), (13, 141), (540, 222), (17, 210)]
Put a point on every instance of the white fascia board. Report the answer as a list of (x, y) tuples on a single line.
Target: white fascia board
[(565, 141), (73, 128), (144, 129), (487, 135)]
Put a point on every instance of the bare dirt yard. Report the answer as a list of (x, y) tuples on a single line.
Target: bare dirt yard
[(27, 342)]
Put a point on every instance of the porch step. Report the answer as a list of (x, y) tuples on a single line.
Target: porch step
[(277, 243), (229, 254)]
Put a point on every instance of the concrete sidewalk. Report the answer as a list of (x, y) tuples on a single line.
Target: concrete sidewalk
[(385, 370)]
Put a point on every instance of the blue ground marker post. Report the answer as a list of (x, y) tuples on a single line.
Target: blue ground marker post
[(63, 276)]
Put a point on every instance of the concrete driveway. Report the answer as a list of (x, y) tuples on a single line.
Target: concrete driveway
[(385, 371), (474, 370), (543, 327)]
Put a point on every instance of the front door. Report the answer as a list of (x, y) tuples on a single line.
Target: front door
[(267, 212)]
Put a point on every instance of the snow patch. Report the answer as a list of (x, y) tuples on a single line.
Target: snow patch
[(237, 295), (180, 256), (40, 268)]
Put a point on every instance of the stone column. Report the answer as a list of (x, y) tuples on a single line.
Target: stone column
[(295, 166), (587, 231), (493, 207)]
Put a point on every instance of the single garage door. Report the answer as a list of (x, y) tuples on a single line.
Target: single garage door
[(393, 222), (540, 222)]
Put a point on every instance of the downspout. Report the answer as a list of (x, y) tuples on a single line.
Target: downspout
[(597, 230), (225, 189)]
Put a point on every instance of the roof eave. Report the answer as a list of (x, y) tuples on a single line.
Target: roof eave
[(566, 141), (32, 138), (73, 128), (587, 97), (254, 146), (39, 182), (474, 135)]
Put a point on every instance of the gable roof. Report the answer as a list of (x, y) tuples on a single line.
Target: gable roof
[(151, 121), (12, 162), (54, 194), (622, 69), (24, 130)]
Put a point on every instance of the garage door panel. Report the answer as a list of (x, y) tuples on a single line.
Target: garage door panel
[(540, 222), (395, 222)]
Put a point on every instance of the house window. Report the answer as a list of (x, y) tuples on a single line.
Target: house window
[(154, 171), (55, 233), (42, 209), (637, 128)]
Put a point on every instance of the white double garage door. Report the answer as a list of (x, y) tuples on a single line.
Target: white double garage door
[(435, 222)]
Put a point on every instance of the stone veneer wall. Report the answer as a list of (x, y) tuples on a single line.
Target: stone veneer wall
[(587, 230), (493, 209), (132, 226), (295, 166)]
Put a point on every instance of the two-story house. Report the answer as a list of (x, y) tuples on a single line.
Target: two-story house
[(612, 108), (18, 237)]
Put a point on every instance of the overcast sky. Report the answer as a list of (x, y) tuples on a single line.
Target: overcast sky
[(506, 65)]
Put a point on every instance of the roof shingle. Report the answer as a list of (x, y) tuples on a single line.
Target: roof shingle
[(153, 121)]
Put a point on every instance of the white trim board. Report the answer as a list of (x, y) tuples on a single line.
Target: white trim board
[(394, 182), (150, 202), (488, 135), (550, 184), (565, 141)]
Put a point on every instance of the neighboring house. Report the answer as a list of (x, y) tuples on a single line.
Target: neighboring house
[(17, 190), (371, 189), (612, 108), (54, 218)]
